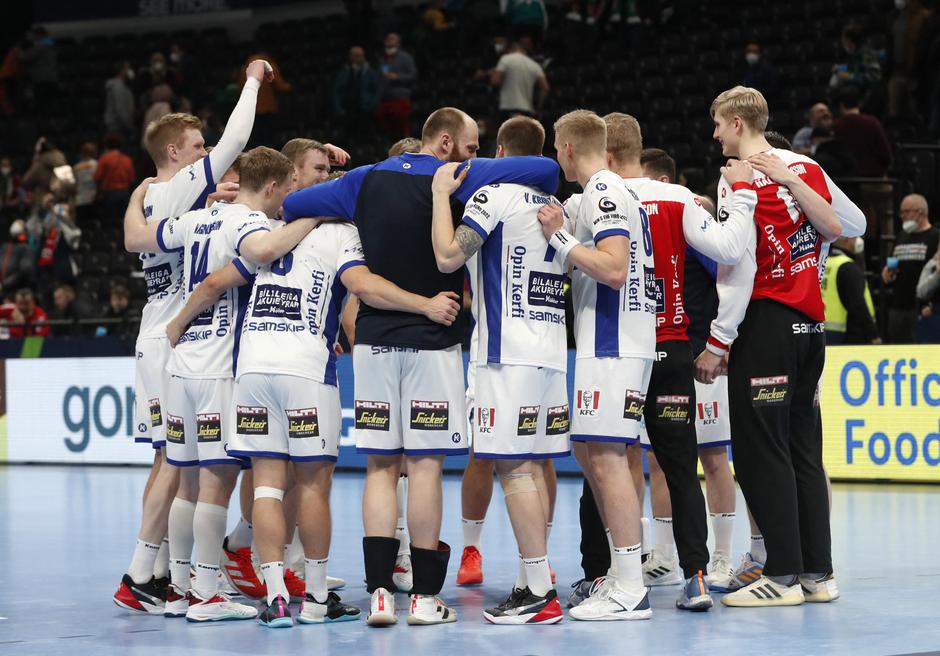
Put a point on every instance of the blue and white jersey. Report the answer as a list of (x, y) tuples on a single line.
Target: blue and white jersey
[(614, 323), (518, 280), (293, 317), (209, 240)]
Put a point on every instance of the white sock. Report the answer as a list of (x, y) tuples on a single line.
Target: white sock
[(180, 532), (645, 531), (613, 561), (255, 558), (209, 530), (665, 540), (472, 530), (161, 567), (538, 576), (141, 567), (273, 574), (629, 572), (401, 531), (520, 575), (758, 550), (316, 578), (723, 526), (548, 531), (241, 535), (294, 553)]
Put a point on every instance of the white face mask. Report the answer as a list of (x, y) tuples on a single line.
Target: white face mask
[(175, 57), (859, 246), (391, 51), (499, 47), (130, 74), (909, 226), (751, 58), (5, 170), (16, 229)]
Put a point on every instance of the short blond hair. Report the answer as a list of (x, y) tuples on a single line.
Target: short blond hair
[(745, 102), (624, 138), (166, 130), (261, 165), (296, 148), (406, 145), (584, 130)]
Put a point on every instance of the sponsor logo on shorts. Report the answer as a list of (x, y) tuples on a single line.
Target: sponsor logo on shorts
[(557, 422), (708, 413), (769, 390), (673, 408), (174, 429), (251, 420), (156, 416), (808, 328), (372, 415), (589, 401), (209, 427), (486, 419), (528, 420), (633, 405), (302, 422), (429, 415)]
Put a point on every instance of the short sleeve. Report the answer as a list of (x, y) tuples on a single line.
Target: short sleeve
[(609, 208), (501, 65), (813, 175), (245, 267), (254, 222), (170, 234), (483, 211), (349, 253)]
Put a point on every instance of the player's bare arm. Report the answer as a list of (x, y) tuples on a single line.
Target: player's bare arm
[(265, 247), (607, 264), (139, 236), (202, 298), (452, 248), (384, 295)]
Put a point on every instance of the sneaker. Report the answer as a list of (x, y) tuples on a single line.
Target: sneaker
[(580, 590), (747, 572), (295, 585), (177, 602), (608, 602), (217, 608), (335, 583), (471, 567), (694, 594), (523, 607), (276, 615), (148, 597), (720, 572), (401, 575), (382, 608), (241, 573), (429, 609), (332, 610), (661, 570), (821, 590), (764, 592)]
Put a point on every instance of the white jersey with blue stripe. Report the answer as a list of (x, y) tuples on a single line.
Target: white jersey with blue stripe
[(209, 240), (293, 317), (614, 323), (517, 279)]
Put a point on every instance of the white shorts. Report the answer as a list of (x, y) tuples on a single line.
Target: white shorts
[(409, 401), (291, 418), (521, 413), (712, 424), (149, 382), (609, 395), (199, 421)]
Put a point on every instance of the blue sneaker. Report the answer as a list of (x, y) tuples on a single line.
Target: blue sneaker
[(276, 615), (580, 590), (695, 594)]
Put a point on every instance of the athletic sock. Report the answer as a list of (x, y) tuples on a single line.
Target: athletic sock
[(141, 567), (273, 574), (787, 580), (209, 531), (665, 540), (538, 576), (401, 531), (629, 572), (315, 575), (520, 575), (180, 532), (161, 567), (294, 553), (241, 535), (758, 550), (723, 526), (645, 532), (548, 531), (613, 561), (472, 531)]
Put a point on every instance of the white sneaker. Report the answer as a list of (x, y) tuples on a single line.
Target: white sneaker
[(402, 576), (382, 609), (331, 610), (429, 609), (177, 602), (335, 583), (764, 592), (821, 590), (217, 608), (608, 602), (660, 569), (720, 572)]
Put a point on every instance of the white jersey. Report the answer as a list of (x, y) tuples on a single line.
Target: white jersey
[(210, 240), (612, 323), (517, 280), (293, 317)]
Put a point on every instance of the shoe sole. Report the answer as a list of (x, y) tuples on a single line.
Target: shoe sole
[(515, 620), (613, 617), (414, 620), (174, 615), (469, 582), (819, 597), (661, 583), (327, 620), (381, 619), (278, 623), (760, 603), (142, 611), (232, 618), (697, 605)]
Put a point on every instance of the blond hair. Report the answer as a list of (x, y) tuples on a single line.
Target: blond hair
[(166, 130), (261, 165), (745, 102), (406, 145), (295, 149), (584, 130), (624, 137)]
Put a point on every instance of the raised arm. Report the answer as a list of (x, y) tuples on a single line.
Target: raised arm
[(140, 236), (384, 295), (724, 242), (241, 120), (205, 296), (607, 263)]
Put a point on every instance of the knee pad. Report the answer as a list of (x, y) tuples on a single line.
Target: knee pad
[(262, 492), (517, 483)]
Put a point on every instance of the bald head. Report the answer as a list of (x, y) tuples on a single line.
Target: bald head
[(450, 135), (819, 116), (914, 208)]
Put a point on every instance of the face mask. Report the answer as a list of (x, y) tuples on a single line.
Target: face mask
[(900, 4), (909, 226), (859, 246), (391, 51), (175, 57), (130, 74), (5, 171), (752, 58), (157, 67), (499, 47), (16, 229)]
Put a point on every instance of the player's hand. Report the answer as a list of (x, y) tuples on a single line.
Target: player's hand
[(773, 167), (138, 195), (225, 191), (338, 156), (737, 171), (260, 70), (174, 331), (443, 308), (707, 366), (552, 218), (444, 181), (888, 275)]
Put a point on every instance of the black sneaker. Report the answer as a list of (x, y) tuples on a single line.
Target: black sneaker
[(333, 610), (523, 607), (146, 597), (276, 615)]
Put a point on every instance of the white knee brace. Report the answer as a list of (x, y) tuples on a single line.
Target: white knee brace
[(262, 492)]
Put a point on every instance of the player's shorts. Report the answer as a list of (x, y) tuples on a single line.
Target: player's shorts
[(149, 383), (409, 401), (609, 395), (521, 413), (199, 421), (712, 422), (287, 417)]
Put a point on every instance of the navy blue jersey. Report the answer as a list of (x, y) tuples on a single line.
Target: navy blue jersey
[(391, 204), (701, 297)]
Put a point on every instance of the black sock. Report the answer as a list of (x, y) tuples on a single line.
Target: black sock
[(429, 568), (380, 554)]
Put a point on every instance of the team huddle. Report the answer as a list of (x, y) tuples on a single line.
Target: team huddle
[(255, 260)]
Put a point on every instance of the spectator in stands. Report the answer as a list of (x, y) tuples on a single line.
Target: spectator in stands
[(150, 76), (518, 76), (914, 247), (526, 18), (65, 309), (41, 67), (11, 70), (928, 68), (119, 102), (435, 16), (12, 194), (861, 65), (17, 262), (863, 134), (356, 92), (160, 97), (818, 116), (60, 239), (30, 317), (115, 176), (182, 67), (850, 312), (904, 43), (832, 154), (399, 74), (86, 189), (756, 72), (265, 126), (38, 179), (928, 286), (119, 313)]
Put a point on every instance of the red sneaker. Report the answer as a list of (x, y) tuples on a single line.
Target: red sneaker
[(471, 567), (146, 597), (240, 572), (296, 586)]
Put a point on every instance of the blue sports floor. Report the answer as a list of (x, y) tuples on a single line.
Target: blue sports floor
[(66, 534)]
